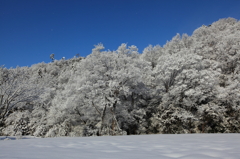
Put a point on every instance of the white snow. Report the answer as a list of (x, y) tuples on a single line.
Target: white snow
[(182, 146)]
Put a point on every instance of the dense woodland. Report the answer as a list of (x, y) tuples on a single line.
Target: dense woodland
[(189, 85)]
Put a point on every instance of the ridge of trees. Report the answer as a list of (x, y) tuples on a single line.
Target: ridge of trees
[(190, 85)]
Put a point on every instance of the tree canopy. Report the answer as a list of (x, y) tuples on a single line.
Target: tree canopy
[(189, 85)]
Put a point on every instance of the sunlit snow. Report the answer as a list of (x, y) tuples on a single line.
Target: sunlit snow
[(190, 146)]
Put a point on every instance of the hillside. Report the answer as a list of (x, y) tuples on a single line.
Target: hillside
[(190, 85)]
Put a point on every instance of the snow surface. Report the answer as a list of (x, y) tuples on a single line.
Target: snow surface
[(182, 146)]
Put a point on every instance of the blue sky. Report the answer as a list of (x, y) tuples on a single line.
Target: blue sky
[(31, 30)]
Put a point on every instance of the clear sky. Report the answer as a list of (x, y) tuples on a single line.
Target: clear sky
[(31, 30)]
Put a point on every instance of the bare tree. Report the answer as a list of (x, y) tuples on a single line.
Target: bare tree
[(52, 57), (15, 90)]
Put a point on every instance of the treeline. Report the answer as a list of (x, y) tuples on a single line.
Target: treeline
[(190, 85)]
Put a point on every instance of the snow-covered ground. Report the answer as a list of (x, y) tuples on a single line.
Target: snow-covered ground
[(184, 146)]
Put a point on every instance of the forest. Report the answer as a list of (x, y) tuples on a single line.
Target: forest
[(189, 85)]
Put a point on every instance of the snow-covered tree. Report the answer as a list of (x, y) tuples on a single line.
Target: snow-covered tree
[(15, 90)]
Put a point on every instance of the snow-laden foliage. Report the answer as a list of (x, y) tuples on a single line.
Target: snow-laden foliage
[(190, 85)]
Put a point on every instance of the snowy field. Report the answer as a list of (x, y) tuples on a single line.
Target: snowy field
[(184, 146)]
